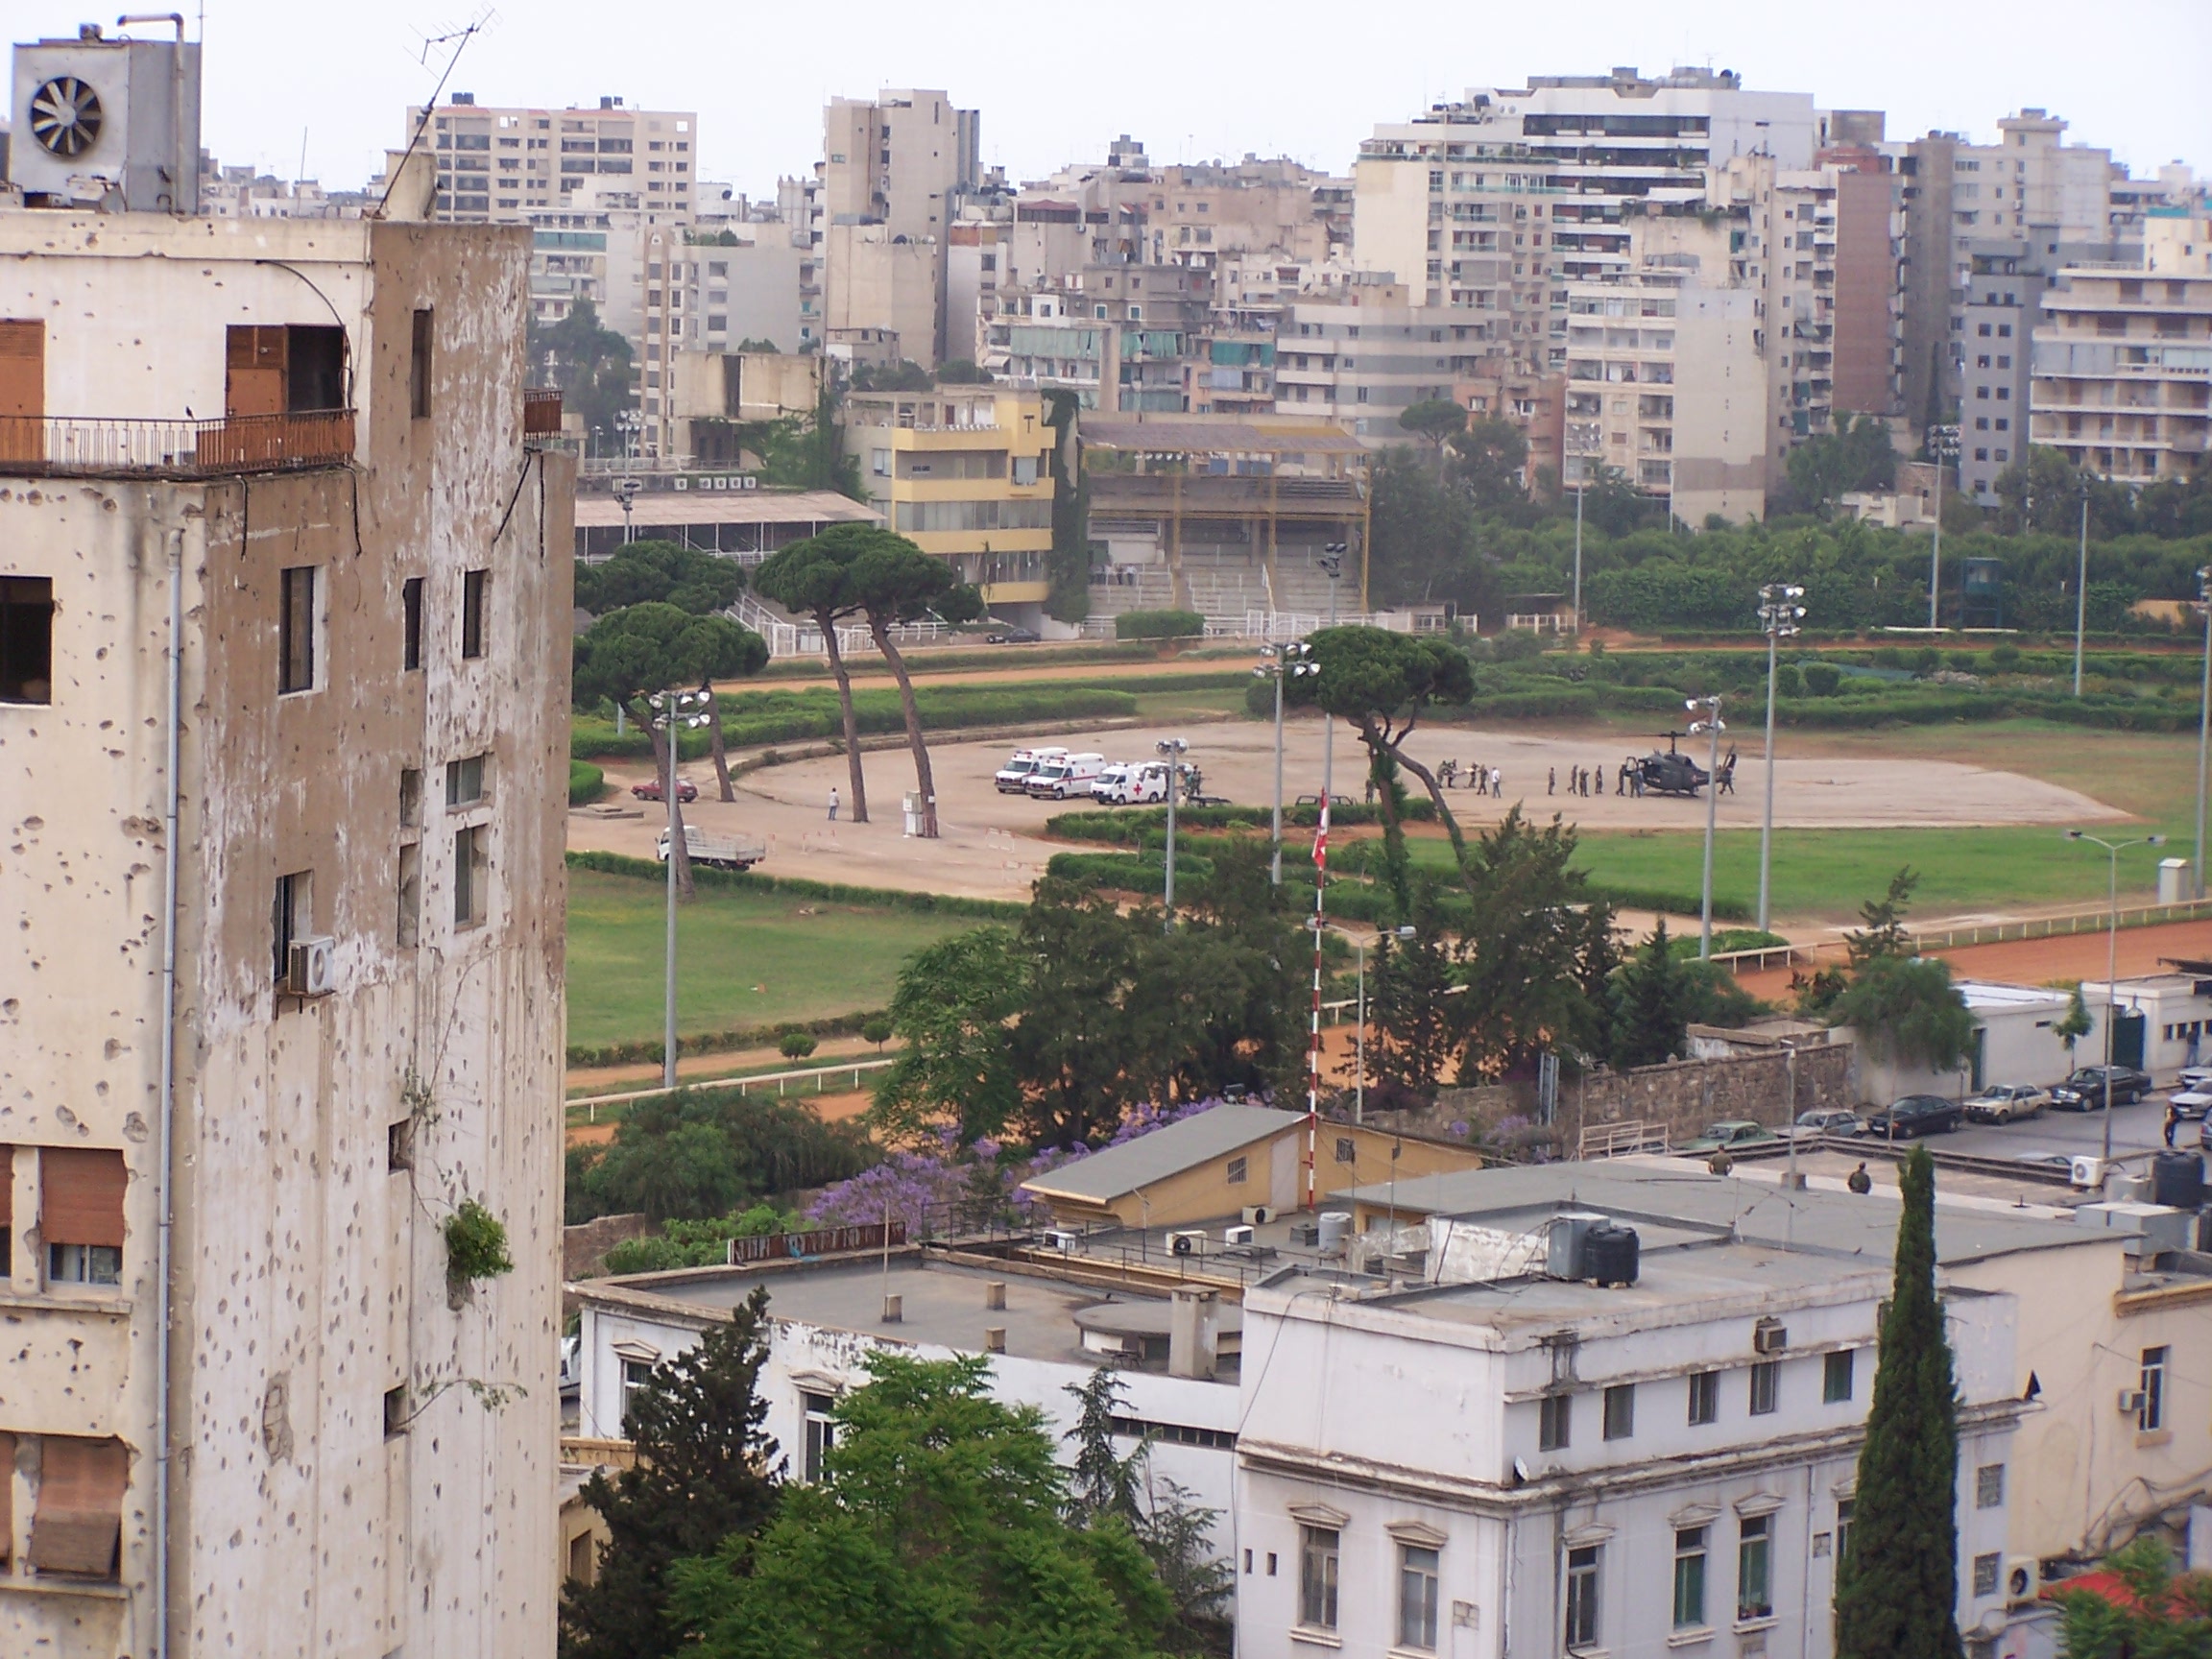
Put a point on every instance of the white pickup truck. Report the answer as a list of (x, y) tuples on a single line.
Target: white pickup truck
[(716, 851)]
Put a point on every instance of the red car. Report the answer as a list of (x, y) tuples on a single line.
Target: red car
[(650, 789)]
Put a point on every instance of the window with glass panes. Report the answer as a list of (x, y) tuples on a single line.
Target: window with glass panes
[(1317, 1577), (1690, 1553), (1417, 1574), (1755, 1567), (1583, 1566)]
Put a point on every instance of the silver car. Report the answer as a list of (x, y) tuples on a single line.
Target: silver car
[(2006, 1103)]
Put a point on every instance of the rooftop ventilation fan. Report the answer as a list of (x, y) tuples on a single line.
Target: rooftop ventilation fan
[(66, 117)]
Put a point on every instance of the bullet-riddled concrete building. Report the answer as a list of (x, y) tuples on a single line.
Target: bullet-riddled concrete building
[(284, 595)]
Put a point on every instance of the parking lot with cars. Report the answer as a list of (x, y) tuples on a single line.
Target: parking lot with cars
[(2015, 1123)]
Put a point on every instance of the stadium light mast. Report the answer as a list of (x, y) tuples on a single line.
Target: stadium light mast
[(1779, 614)]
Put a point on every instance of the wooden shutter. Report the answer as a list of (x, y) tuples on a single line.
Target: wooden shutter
[(22, 391), (78, 1526), (7, 1496), (80, 1196), (255, 370)]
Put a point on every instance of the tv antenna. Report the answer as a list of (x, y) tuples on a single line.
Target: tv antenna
[(459, 40)]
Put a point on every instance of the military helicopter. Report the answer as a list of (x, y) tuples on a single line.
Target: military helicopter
[(1673, 773)]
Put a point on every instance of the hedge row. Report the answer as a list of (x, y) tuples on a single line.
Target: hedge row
[(586, 783), (1354, 899), (719, 1042), (953, 658), (1129, 827), (752, 718), (1159, 625), (798, 887)]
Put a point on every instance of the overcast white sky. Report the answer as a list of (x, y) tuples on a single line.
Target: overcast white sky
[(1195, 79)]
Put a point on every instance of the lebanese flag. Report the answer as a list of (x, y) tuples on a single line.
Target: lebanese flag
[(1321, 839)]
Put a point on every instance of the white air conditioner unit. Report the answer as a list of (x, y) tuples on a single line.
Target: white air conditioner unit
[(1236, 1235), (312, 969), (2021, 1574), (2086, 1173), (1189, 1243), (1257, 1214), (1059, 1238), (2131, 1400), (1769, 1337)]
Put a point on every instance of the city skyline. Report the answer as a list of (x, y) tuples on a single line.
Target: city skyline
[(755, 125)]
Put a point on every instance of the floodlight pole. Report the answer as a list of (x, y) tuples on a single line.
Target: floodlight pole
[(1779, 611), (1579, 488), (2203, 725), (1173, 747), (2081, 590), (1712, 707), (2112, 850)]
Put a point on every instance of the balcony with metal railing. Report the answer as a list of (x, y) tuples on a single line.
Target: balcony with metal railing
[(65, 447)]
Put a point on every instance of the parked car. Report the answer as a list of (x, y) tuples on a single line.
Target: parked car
[(1063, 776), (1334, 801), (2003, 1103), (2194, 1103), (1010, 635), (1825, 1122), (1734, 1134), (718, 852), (1012, 777), (650, 789), (1913, 1115), (2084, 1091)]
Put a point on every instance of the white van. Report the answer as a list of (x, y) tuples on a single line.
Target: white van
[(1106, 787), (1014, 776), (1136, 783), (1065, 774)]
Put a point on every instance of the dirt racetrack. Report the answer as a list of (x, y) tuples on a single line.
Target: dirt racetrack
[(991, 844)]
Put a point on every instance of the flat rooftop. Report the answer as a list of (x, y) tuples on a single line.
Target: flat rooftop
[(943, 1302), (677, 507), (1666, 1283), (1658, 1190)]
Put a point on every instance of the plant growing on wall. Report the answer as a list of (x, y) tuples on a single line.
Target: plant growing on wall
[(475, 1246)]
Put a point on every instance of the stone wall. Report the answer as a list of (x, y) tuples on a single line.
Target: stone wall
[(584, 1246), (1683, 1095), (1687, 1094)]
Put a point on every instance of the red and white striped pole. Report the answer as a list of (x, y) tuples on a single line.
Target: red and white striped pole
[(1314, 1053)]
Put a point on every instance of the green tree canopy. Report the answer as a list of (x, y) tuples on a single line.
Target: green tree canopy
[(1486, 459), (950, 1009), (813, 578), (656, 646), (940, 1528), (1382, 683), (700, 1153), (893, 580), (701, 1482), (1897, 1585), (1907, 1008), (1827, 465), (2158, 1613), (660, 572), (1435, 418), (590, 364), (1650, 1004)]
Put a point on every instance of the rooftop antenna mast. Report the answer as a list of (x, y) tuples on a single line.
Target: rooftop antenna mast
[(460, 37)]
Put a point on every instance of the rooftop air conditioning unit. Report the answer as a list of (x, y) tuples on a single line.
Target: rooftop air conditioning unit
[(2132, 1400), (2020, 1576), (110, 122), (2086, 1173), (1769, 1337), (1188, 1243), (1257, 1214), (312, 968), (1059, 1238), (1236, 1235)]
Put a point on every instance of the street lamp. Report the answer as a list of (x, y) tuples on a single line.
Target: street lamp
[(2203, 723), (1779, 614), (1174, 748), (626, 492), (1581, 482), (1713, 724), (2112, 956), (1282, 660), (673, 711), (1943, 445)]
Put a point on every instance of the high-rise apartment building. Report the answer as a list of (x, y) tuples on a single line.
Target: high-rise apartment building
[(1368, 357), (893, 171), (283, 683), (1121, 337), (2123, 366), (1494, 203), (510, 164)]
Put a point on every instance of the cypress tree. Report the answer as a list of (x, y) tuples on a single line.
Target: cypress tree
[(1897, 1585)]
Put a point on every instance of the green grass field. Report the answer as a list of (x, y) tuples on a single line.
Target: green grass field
[(742, 959)]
